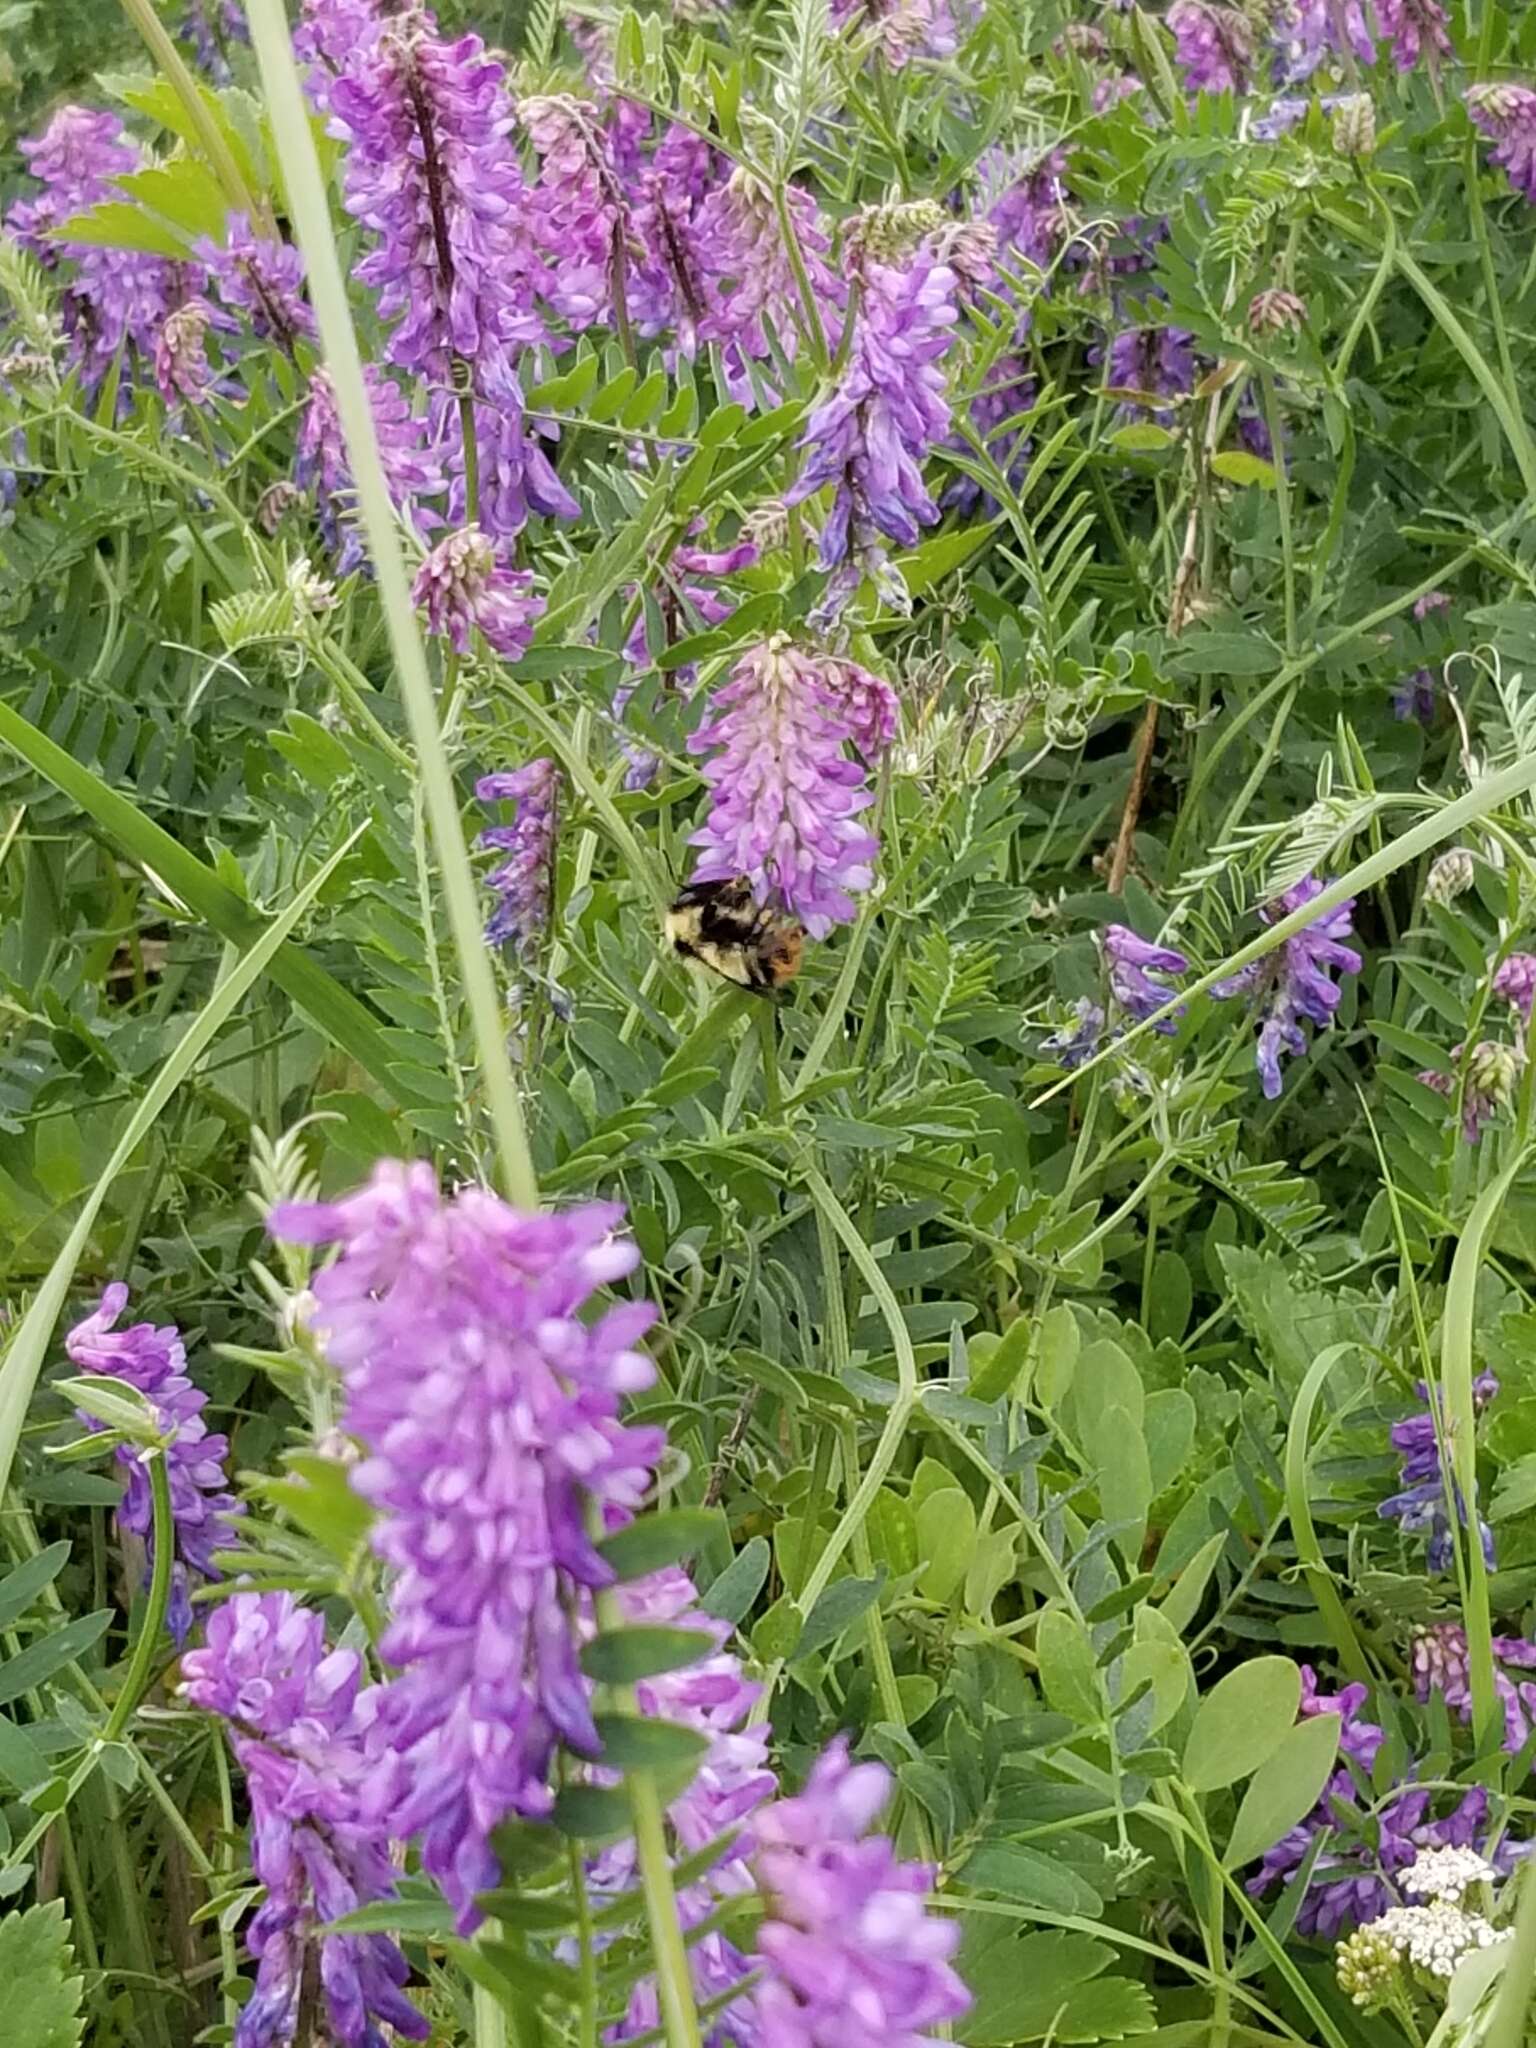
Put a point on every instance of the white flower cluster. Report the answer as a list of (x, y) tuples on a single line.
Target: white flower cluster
[(1435, 1938), (1431, 1938), (1446, 1875)]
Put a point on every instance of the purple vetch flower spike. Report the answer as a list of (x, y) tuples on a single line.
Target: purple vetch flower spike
[(300, 1726), (77, 161), (1077, 1042), (181, 355), (330, 35), (524, 883), (903, 29), (261, 277), (1213, 45), (1149, 363), (1291, 982), (1031, 217), (1415, 26), (1417, 697), (488, 1404), (465, 585), (1426, 1482), (1310, 31), (749, 282), (1478, 1107), (411, 463), (153, 1360), (1507, 116), (1132, 962), (1440, 1663), (850, 1951), (1515, 980), (580, 210), (784, 796), (888, 409)]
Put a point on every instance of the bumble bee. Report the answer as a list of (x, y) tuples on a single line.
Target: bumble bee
[(719, 925)]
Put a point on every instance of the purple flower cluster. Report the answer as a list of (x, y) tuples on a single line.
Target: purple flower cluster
[(1515, 980), (580, 214), (785, 797), (1351, 1881), (153, 1359), (752, 299), (853, 1957), (261, 277), (1478, 1105), (411, 469), (212, 27), (114, 301), (1310, 31), (999, 416), (524, 883), (1440, 1665), (1426, 1481), (1292, 981), (1148, 363), (903, 29), (887, 410), (1132, 962), (1213, 46), (465, 585), (1415, 27), (302, 1727), (489, 1409), (1507, 115)]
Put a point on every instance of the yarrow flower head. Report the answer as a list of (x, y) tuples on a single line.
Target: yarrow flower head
[(785, 796), (1507, 115), (154, 1360), (1292, 981), (301, 1728), (1426, 1483), (1132, 962), (489, 1407), (465, 586), (524, 883), (851, 1953), (888, 409)]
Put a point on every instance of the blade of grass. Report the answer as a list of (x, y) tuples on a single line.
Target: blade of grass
[(28, 1347), (1308, 1551)]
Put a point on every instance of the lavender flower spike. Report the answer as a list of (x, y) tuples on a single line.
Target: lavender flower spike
[(1214, 46), (1515, 980), (463, 585), (300, 1728), (853, 1957), (488, 1403), (1426, 1479), (524, 883), (154, 1361), (1132, 962), (1507, 115), (785, 797), (1292, 981), (1440, 1664)]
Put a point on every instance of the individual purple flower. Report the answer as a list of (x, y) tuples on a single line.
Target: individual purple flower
[(851, 1954), (1515, 980), (888, 409), (1213, 45), (153, 1360), (1414, 27), (301, 1729), (1417, 697), (464, 586), (1132, 962), (1291, 981), (903, 29), (753, 301), (261, 277), (524, 883), (488, 1404), (1441, 1664), (1352, 1880), (1279, 118), (1432, 601), (784, 796), (1148, 363), (1507, 115), (412, 468), (1076, 1042), (1426, 1482)]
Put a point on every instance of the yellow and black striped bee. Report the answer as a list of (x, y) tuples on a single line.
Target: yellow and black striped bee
[(720, 926)]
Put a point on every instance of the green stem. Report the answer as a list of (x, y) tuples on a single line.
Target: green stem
[(220, 160), (1282, 506), (815, 334), (136, 1684), (295, 144), (1490, 275), (673, 1982)]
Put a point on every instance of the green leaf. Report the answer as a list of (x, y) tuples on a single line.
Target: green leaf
[(591, 1812), (842, 1603), (994, 1363), (1016, 1872), (1107, 2010), (18, 1589), (1237, 466), (946, 1534), (638, 1742), (1285, 1788), (651, 1541), (730, 1597), (42, 1998), (1021, 1980), (22, 1763), (1143, 437), (1241, 1722), (114, 224), (114, 1402), (1068, 1671), (320, 1498), (623, 1656), (38, 1662)]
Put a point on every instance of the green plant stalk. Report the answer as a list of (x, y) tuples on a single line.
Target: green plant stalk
[(674, 1983), (1507, 2024), (1456, 1333), (1282, 505), (1443, 824), (136, 1683), (1309, 1553), (1485, 256), (294, 140), (29, 1343), (166, 55)]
